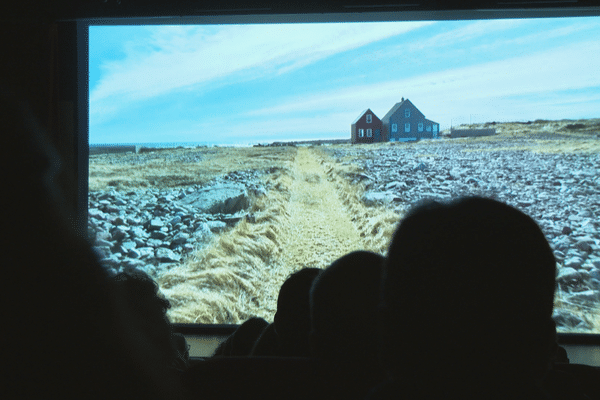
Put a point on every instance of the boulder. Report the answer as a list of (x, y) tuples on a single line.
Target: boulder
[(225, 198)]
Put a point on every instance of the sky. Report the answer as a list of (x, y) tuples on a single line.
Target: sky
[(250, 84)]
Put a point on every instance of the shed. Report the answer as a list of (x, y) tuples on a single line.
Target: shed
[(366, 128), (404, 122)]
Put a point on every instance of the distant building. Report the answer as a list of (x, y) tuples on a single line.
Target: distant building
[(366, 128), (404, 122)]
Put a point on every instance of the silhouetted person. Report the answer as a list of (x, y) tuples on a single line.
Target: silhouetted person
[(343, 304), (266, 344), (142, 293), (468, 292), (242, 340), (288, 335), (67, 334)]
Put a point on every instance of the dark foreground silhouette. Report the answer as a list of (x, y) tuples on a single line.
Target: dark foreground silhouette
[(468, 292)]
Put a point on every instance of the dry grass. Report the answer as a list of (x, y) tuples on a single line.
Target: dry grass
[(310, 217), (179, 167)]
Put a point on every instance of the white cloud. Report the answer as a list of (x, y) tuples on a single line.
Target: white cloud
[(565, 68), (468, 32), (181, 56)]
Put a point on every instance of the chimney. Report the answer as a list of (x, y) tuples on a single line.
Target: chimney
[(403, 99)]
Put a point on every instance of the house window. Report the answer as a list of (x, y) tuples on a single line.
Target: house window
[(435, 128), (407, 113), (407, 127), (369, 132), (428, 128), (394, 127), (369, 118), (420, 127), (361, 132)]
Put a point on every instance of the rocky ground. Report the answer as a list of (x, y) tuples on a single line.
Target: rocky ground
[(152, 230), (553, 177), (560, 191)]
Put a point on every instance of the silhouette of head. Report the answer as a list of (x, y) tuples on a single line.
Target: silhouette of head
[(468, 288), (343, 301), (241, 342), (141, 292), (292, 319), (66, 305)]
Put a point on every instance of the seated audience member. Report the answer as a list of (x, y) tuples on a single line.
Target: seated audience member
[(142, 293), (468, 291), (288, 335), (241, 342), (343, 307), (266, 344), (68, 335)]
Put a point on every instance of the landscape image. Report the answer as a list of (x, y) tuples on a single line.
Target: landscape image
[(278, 209), (226, 156)]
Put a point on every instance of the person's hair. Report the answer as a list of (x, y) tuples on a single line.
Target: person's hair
[(343, 305), (469, 285), (292, 319)]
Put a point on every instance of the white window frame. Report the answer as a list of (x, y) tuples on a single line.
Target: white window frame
[(420, 126), (435, 127), (394, 127), (407, 113), (361, 133), (369, 132), (407, 127), (369, 118), (428, 128)]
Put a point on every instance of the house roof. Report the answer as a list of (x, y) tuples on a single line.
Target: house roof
[(361, 114), (433, 122), (386, 118)]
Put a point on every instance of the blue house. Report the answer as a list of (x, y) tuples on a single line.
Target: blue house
[(404, 123)]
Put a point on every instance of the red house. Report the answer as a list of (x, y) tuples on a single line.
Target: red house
[(366, 128)]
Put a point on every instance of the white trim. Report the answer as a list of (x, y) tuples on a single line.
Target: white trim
[(407, 113), (394, 127), (369, 118), (420, 127), (361, 133), (407, 127)]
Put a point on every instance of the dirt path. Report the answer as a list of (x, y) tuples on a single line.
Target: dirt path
[(318, 229), (310, 217)]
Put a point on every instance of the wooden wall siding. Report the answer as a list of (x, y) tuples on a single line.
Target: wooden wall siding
[(361, 123), (399, 118)]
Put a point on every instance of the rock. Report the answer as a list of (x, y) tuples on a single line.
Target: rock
[(373, 198), (573, 262), (175, 220), (203, 232), (216, 226), (587, 296), (421, 167), (226, 198), (145, 252), (119, 233), (584, 244), (160, 235), (102, 251), (133, 253), (567, 274), (165, 255), (180, 239), (155, 224)]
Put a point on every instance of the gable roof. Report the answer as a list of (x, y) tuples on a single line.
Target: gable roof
[(386, 118), (361, 114)]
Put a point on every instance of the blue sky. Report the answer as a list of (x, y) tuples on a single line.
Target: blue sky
[(248, 84)]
